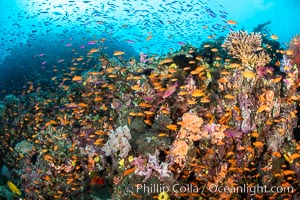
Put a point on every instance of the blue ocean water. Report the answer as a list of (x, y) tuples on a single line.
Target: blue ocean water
[(48, 30), (169, 23)]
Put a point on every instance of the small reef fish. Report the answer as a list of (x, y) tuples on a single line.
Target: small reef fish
[(233, 133), (274, 37), (118, 53), (170, 90), (231, 22)]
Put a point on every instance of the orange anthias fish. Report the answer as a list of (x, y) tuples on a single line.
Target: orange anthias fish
[(231, 22), (170, 90)]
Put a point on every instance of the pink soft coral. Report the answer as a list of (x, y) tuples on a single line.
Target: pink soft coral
[(152, 166)]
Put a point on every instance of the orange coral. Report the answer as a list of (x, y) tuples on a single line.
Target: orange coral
[(191, 130), (218, 134), (190, 127), (191, 121), (179, 151)]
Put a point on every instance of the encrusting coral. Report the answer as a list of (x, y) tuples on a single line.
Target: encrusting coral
[(193, 129)]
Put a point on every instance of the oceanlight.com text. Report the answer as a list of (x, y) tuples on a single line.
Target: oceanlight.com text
[(254, 189), (213, 188)]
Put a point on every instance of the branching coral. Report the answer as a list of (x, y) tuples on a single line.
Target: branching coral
[(247, 48)]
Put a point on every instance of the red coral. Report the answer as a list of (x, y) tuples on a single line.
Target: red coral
[(97, 180)]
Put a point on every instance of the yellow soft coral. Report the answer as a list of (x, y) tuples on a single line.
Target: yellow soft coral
[(163, 196), (13, 188)]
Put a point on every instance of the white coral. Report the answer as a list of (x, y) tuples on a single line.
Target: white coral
[(118, 142)]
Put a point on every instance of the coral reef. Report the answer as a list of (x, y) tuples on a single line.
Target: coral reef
[(24, 147), (197, 117)]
